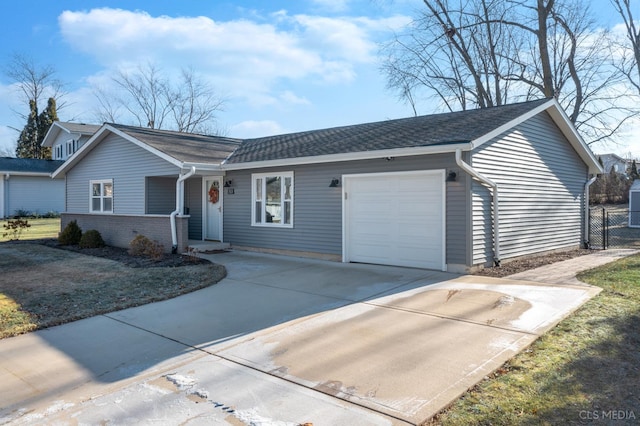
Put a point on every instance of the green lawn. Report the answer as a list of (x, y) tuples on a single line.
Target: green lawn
[(40, 228), (585, 370)]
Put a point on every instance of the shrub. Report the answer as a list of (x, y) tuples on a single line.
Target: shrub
[(15, 227), (91, 239), (143, 246), (71, 234), (22, 213)]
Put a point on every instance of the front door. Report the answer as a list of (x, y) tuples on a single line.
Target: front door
[(212, 220)]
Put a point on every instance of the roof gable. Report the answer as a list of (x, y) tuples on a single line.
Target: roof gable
[(58, 127), (422, 131), (178, 148)]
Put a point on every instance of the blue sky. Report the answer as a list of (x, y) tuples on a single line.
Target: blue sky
[(282, 65)]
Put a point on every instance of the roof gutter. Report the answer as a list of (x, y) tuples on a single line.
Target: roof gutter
[(586, 210), (179, 207), (494, 190)]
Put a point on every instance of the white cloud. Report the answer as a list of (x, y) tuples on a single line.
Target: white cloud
[(255, 129), (244, 58), (291, 98)]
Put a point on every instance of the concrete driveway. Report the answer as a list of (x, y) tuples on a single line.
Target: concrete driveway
[(282, 341)]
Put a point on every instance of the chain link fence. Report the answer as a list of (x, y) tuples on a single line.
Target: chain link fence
[(609, 228)]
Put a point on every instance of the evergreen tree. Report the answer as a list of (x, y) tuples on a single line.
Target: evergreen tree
[(29, 134), (46, 119), (30, 139)]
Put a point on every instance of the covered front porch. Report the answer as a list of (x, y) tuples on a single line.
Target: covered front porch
[(198, 197)]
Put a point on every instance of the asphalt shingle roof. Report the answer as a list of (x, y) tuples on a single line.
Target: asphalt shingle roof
[(28, 165), (82, 128), (185, 147), (427, 130)]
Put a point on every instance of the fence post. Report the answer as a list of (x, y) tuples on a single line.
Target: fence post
[(604, 230)]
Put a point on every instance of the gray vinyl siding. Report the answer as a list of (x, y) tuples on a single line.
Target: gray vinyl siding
[(33, 194), (124, 162), (161, 195), (318, 208), (541, 186), (193, 206)]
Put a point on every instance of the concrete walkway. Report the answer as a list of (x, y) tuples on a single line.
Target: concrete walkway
[(284, 341), (565, 272)]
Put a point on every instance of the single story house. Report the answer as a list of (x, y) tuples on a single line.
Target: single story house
[(451, 191), (26, 187), (65, 138)]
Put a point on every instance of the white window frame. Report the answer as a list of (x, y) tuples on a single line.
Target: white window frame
[(70, 150), (258, 195), (102, 195), (58, 154)]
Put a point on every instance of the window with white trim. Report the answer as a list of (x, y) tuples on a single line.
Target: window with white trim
[(58, 155), (272, 199), (101, 194)]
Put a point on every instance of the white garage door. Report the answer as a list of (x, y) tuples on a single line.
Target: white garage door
[(395, 219)]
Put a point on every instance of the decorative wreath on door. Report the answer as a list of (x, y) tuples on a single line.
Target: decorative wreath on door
[(214, 194)]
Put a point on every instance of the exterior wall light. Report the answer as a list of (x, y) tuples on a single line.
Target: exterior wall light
[(335, 182)]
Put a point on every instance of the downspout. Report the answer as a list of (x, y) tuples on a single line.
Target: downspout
[(494, 190), (179, 207), (586, 210)]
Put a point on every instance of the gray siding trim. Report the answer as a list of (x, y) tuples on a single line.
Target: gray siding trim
[(124, 162), (317, 226), (541, 186), (161, 195)]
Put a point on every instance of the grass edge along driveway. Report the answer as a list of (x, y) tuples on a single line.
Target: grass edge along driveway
[(42, 286), (585, 370)]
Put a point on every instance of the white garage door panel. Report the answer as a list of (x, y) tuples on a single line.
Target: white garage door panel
[(395, 219)]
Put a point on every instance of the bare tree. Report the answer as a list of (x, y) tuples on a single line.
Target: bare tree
[(630, 63), (34, 83), (492, 52), (149, 98)]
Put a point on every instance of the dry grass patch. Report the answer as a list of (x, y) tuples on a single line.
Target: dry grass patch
[(43, 286), (40, 228)]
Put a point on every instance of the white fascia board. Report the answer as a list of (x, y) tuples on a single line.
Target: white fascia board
[(509, 125), (206, 167), (564, 124), (52, 134), (84, 149), (353, 156), (568, 129), (102, 133), (35, 174), (146, 147)]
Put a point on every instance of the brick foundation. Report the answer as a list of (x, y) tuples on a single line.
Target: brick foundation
[(119, 230)]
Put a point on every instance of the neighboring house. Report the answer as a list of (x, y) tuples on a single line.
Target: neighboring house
[(26, 186), (66, 138), (446, 191), (614, 161)]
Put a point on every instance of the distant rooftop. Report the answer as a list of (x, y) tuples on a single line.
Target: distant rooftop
[(28, 165)]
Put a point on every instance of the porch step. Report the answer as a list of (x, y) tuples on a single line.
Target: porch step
[(208, 246)]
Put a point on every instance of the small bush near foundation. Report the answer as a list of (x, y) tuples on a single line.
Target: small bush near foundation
[(71, 234), (15, 227), (143, 246), (91, 239)]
